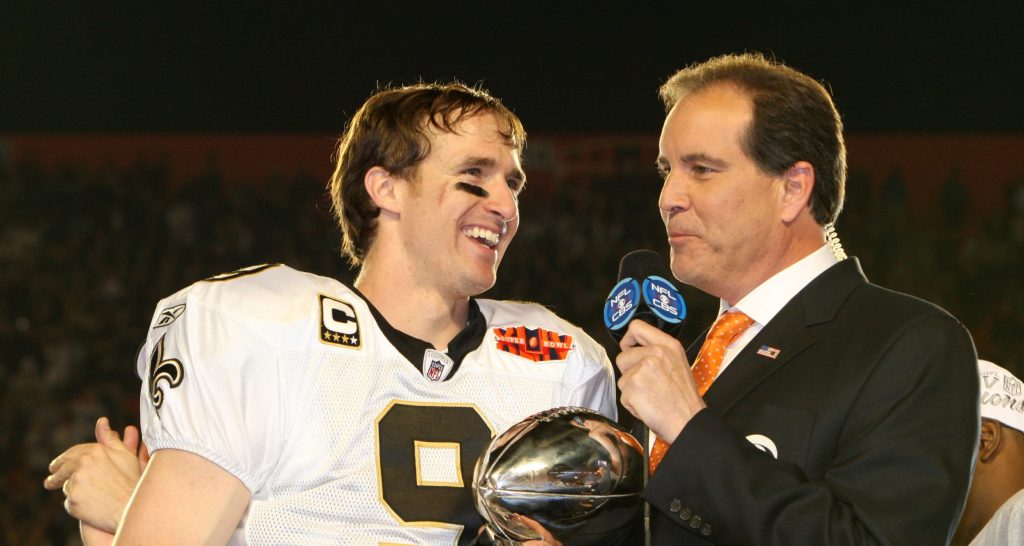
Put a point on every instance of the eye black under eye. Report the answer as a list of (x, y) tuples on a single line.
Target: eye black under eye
[(472, 189)]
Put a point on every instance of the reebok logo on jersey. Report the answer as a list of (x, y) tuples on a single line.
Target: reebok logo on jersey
[(169, 315), (338, 323), (535, 344)]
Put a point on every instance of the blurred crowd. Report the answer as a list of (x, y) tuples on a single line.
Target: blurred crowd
[(86, 253)]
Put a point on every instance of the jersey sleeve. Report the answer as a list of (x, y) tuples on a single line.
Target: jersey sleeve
[(598, 390), (586, 378), (590, 379), (210, 386)]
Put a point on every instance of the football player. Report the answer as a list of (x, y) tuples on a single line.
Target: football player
[(282, 407)]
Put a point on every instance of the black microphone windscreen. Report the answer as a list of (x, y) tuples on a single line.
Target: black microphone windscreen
[(645, 291), (640, 264)]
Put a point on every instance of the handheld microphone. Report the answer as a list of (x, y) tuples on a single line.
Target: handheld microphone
[(644, 292)]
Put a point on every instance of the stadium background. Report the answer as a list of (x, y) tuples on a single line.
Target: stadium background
[(146, 147)]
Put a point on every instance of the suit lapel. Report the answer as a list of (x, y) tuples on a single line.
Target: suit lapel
[(788, 332)]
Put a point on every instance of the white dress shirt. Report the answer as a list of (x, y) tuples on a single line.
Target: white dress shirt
[(765, 301)]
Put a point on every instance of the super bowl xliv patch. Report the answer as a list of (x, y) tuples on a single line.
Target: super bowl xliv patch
[(436, 365), (535, 344), (169, 315), (338, 323)]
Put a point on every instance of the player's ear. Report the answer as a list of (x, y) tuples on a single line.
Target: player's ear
[(797, 183), (988, 440), (380, 185)]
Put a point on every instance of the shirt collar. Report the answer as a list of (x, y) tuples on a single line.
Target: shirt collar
[(765, 301)]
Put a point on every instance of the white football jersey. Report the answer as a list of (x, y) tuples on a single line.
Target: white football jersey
[(293, 383)]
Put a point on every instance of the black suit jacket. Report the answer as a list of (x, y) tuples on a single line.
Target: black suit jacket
[(871, 406)]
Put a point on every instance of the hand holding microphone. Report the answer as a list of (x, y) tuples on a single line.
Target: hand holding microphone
[(645, 312), (644, 292)]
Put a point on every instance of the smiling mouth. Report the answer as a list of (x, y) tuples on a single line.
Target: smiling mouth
[(484, 236)]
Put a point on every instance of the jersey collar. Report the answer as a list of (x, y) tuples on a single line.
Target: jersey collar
[(415, 350)]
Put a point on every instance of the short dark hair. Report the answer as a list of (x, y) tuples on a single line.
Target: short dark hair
[(1017, 435), (794, 120), (390, 130)]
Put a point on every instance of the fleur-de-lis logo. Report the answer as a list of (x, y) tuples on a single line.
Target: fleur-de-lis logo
[(170, 370)]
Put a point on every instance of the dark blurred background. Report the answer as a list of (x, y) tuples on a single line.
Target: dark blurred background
[(144, 147)]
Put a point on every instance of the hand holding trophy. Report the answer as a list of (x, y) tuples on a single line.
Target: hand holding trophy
[(572, 470)]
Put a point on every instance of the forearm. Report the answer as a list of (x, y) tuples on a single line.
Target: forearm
[(183, 499), (91, 536)]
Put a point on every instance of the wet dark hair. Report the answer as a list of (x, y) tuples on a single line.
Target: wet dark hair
[(391, 131)]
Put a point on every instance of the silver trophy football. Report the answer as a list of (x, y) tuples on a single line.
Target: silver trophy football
[(572, 470)]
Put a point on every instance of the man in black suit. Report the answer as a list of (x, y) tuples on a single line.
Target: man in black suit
[(836, 412)]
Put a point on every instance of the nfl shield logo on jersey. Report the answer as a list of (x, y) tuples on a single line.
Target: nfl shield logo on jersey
[(436, 365), (434, 370)]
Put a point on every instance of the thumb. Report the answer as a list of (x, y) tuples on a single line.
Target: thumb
[(107, 436), (636, 335)]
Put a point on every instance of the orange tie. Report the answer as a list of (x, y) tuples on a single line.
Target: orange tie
[(728, 327)]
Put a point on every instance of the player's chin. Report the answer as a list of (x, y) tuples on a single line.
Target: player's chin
[(485, 284), (480, 280), (488, 263)]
